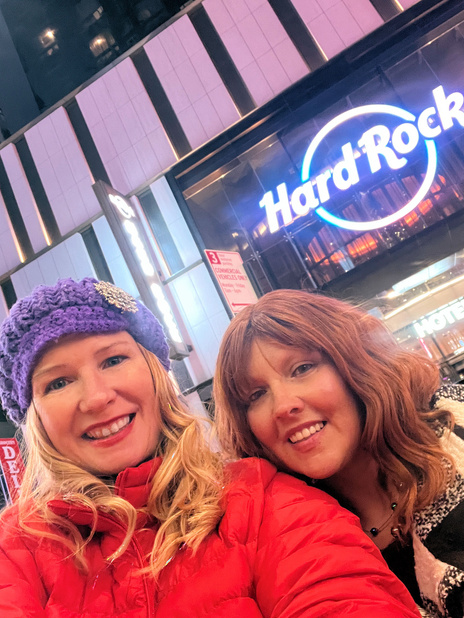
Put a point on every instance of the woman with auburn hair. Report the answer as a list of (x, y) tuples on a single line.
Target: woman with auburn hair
[(322, 390), (125, 511)]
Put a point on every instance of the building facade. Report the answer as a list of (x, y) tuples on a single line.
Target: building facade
[(297, 135)]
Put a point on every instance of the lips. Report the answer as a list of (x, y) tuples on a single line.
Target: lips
[(110, 429), (305, 432)]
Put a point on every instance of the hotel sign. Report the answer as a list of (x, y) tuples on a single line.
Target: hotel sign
[(440, 319)]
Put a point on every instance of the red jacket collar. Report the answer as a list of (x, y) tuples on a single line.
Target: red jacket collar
[(132, 484)]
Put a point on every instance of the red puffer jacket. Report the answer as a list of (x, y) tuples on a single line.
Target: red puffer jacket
[(282, 549)]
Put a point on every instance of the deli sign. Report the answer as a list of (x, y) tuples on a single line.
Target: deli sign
[(393, 135), (11, 465)]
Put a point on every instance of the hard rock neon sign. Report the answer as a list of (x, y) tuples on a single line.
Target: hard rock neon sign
[(381, 146)]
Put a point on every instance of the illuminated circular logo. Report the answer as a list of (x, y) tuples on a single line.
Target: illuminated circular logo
[(377, 142)]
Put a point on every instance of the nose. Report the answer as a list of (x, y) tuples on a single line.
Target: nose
[(286, 401), (96, 393)]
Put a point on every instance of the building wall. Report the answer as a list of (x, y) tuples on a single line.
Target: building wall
[(188, 83), (337, 24), (192, 84), (67, 259)]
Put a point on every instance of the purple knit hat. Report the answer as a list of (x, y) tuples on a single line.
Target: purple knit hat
[(87, 306)]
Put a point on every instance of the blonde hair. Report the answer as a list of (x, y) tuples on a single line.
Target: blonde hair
[(393, 387), (185, 494)]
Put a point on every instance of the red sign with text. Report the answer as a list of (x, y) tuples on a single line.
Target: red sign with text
[(12, 465), (231, 276)]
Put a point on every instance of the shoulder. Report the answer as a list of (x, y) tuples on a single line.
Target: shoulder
[(9, 518), (450, 397), (15, 545), (453, 392), (253, 476), (251, 471), (266, 499), (12, 535)]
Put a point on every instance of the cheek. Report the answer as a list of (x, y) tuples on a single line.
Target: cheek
[(354, 427), (259, 424), (54, 422), (153, 420)]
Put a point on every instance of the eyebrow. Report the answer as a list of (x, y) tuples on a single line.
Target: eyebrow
[(50, 368), (38, 374)]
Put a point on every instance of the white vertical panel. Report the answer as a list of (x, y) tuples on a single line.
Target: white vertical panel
[(62, 261), (204, 316), (191, 82), (68, 259), (262, 51), (175, 221), (24, 197), (79, 257), (3, 306), (336, 24), (33, 275), (114, 258), (9, 251), (125, 127), (20, 283), (63, 170), (49, 268)]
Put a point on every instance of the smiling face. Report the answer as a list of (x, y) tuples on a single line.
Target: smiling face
[(301, 410), (95, 397)]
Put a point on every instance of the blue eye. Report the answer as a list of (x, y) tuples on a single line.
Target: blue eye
[(56, 385), (114, 360)]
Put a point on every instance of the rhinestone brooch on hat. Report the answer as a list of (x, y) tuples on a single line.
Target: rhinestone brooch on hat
[(117, 297)]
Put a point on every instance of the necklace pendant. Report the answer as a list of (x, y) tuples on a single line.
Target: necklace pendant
[(374, 531)]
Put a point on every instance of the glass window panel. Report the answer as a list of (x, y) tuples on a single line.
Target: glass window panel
[(283, 266), (444, 56), (296, 139), (377, 90), (325, 271), (246, 185), (257, 275), (215, 217), (161, 232), (363, 248), (413, 80)]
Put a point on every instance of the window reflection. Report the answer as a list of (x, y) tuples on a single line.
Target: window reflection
[(101, 43)]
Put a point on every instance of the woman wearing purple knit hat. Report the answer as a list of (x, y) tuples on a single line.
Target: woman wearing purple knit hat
[(124, 510)]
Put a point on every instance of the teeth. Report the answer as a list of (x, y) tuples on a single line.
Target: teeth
[(306, 432), (104, 432)]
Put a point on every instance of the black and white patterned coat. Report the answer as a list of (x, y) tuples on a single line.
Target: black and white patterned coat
[(438, 535)]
